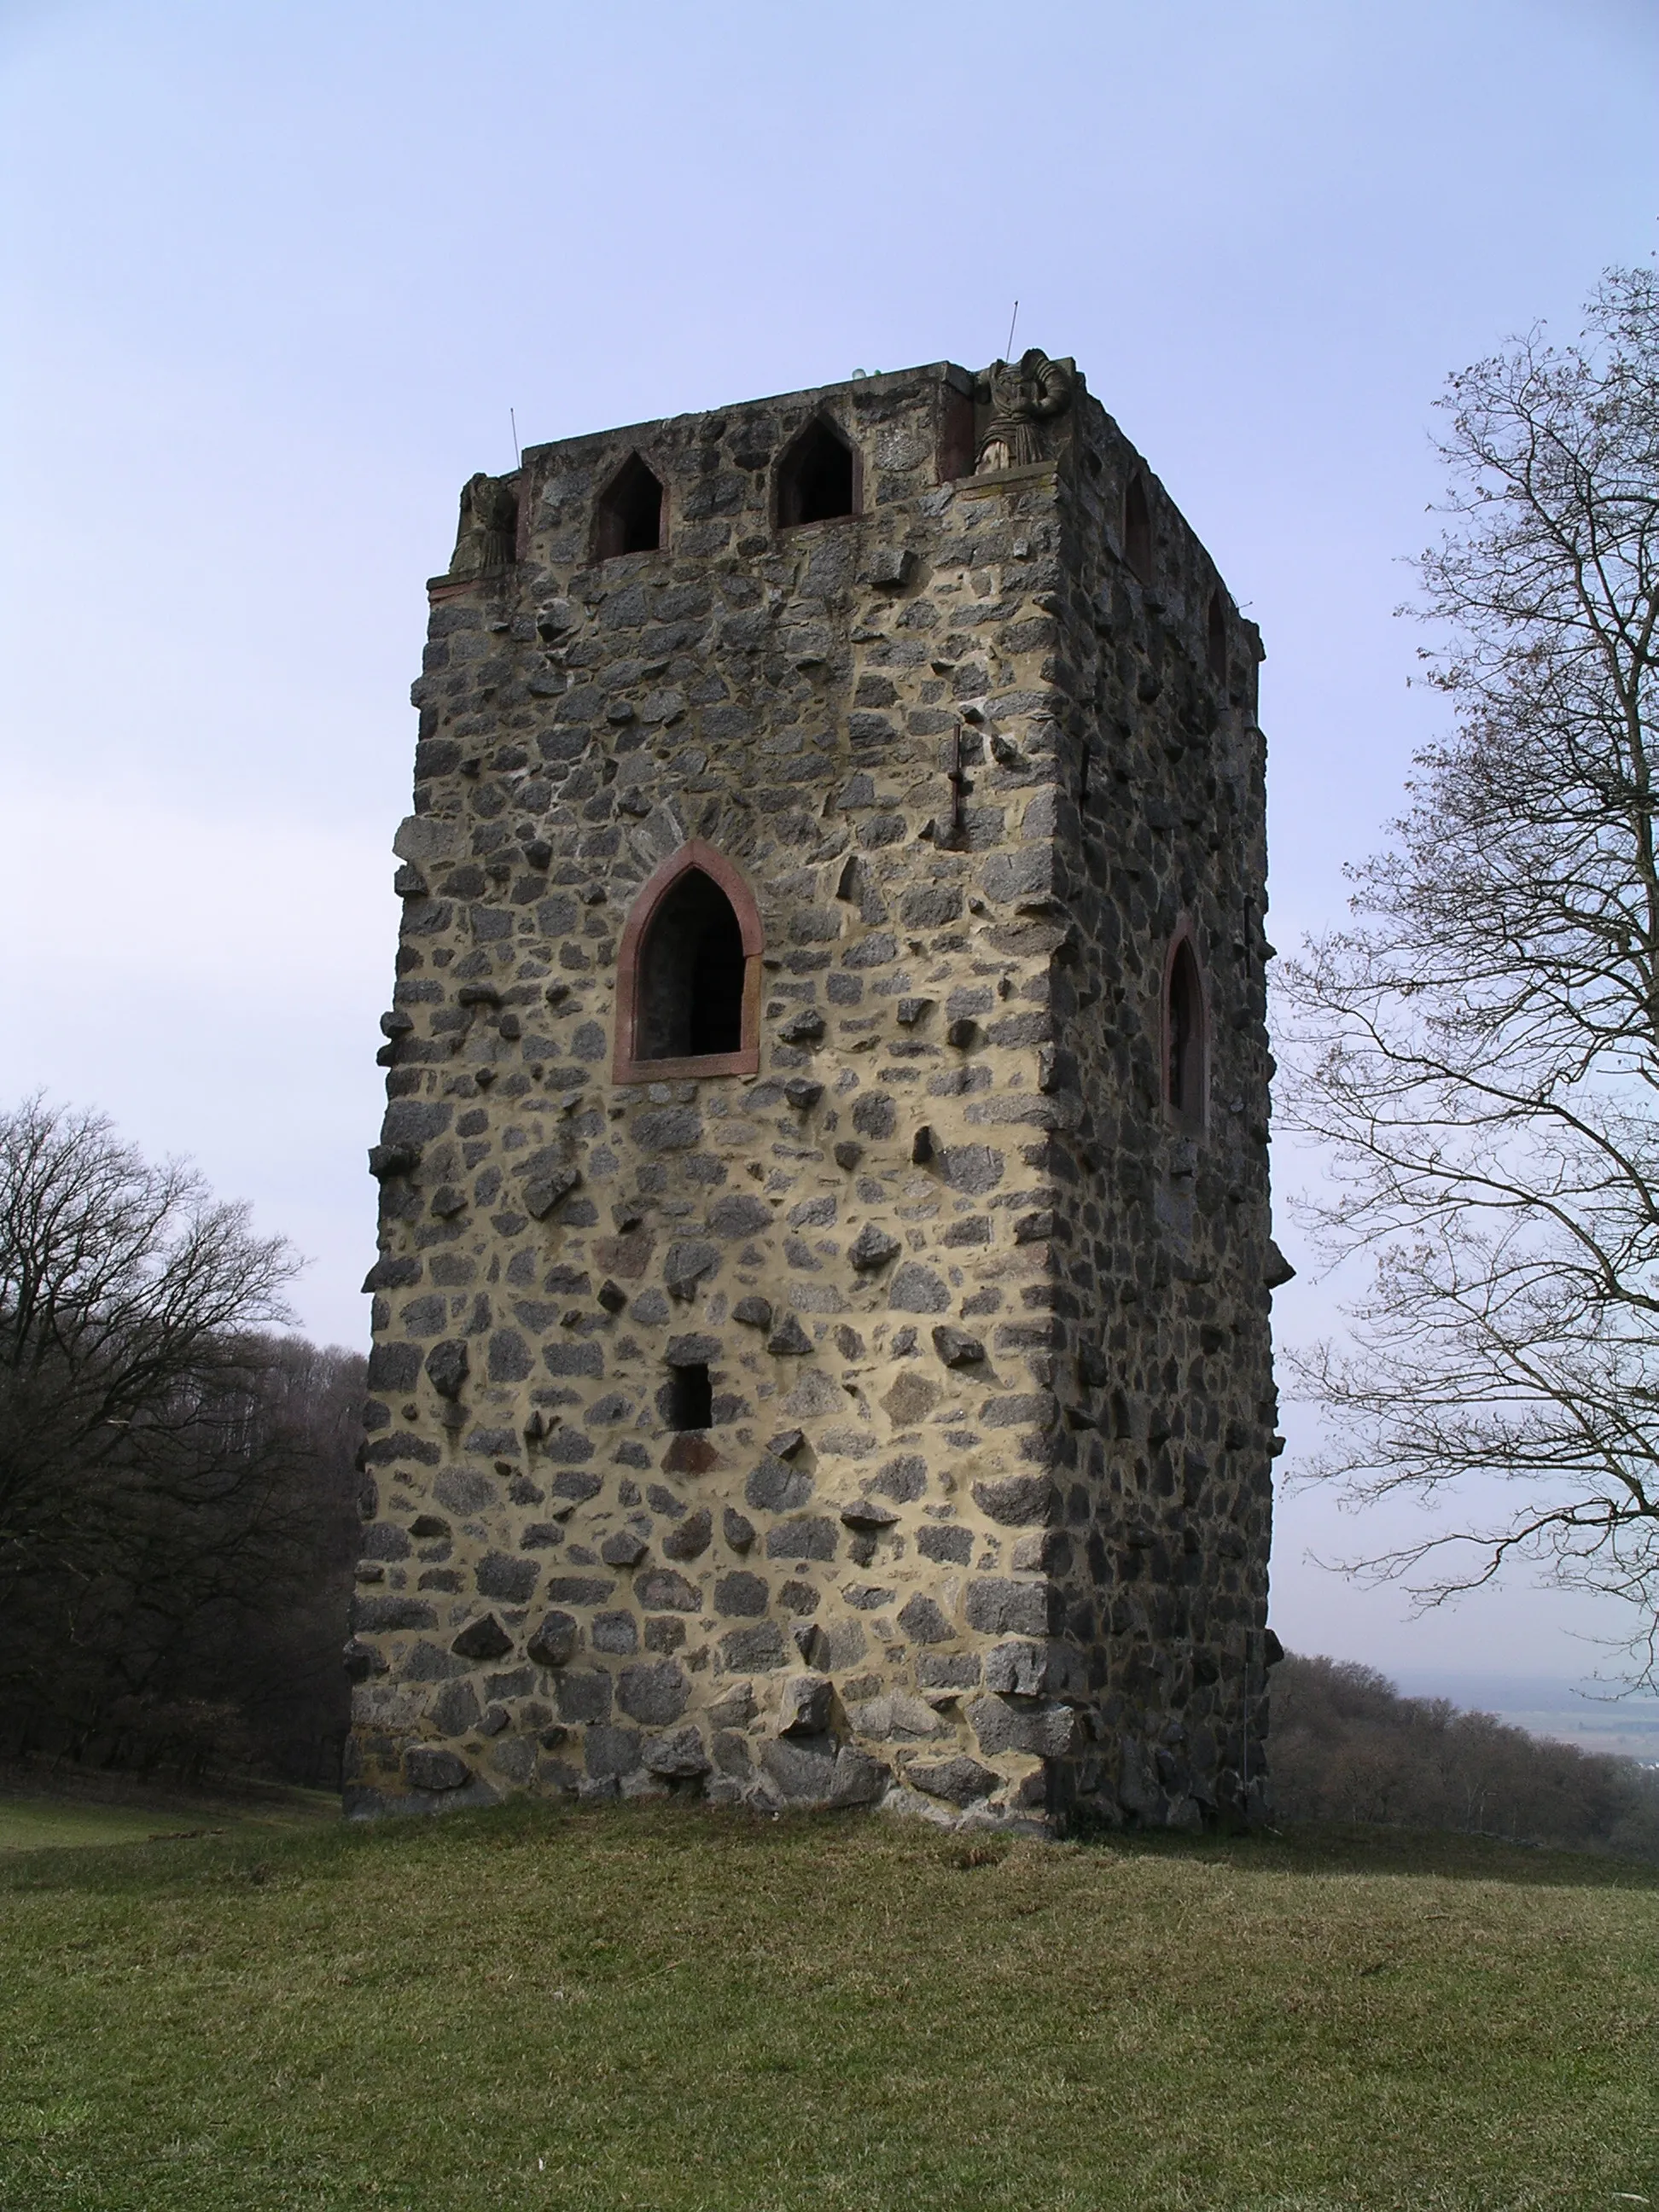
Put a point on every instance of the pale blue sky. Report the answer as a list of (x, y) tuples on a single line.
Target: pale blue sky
[(272, 276)]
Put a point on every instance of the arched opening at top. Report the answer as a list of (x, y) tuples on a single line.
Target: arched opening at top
[(1138, 529), (817, 477), (628, 518), (690, 989), (688, 973), (1185, 1074), (1216, 643)]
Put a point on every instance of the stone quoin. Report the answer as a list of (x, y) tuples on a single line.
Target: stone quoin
[(820, 1328)]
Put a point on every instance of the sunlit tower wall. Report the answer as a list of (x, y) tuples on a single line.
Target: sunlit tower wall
[(821, 1325)]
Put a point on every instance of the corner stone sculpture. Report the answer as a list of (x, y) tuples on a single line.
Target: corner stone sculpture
[(970, 1306)]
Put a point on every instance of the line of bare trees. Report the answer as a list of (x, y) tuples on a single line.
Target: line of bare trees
[(1346, 1746), (177, 1514)]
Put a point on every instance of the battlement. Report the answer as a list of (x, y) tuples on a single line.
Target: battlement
[(822, 1343)]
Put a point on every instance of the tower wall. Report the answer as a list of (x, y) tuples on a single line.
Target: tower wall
[(979, 1524)]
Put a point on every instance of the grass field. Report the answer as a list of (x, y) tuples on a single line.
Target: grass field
[(40, 1823), (651, 2007)]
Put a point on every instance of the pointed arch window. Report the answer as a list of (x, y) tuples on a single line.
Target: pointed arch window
[(628, 518), (688, 973), (819, 478), (1138, 528), (1186, 1038)]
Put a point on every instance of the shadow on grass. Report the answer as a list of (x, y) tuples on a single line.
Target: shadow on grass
[(256, 1857)]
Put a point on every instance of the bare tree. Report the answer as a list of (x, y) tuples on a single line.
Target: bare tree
[(125, 1297), (1479, 1051)]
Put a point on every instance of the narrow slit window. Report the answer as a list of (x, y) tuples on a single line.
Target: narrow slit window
[(691, 1398), (1183, 1028), (817, 477), (629, 515), (691, 975), (1216, 649), (1138, 529)]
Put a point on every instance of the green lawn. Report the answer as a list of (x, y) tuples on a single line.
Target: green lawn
[(654, 2007), (32, 1824)]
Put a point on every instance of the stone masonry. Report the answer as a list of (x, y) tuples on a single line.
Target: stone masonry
[(977, 1524)]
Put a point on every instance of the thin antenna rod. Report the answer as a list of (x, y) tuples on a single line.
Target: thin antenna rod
[(517, 457), (1008, 353)]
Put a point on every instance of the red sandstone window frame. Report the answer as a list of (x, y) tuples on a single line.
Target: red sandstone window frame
[(1191, 1119), (822, 420), (627, 1067)]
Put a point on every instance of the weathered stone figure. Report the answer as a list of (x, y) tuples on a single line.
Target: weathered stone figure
[(1023, 395), (484, 539), (820, 1328)]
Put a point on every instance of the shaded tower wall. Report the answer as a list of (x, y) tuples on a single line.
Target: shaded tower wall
[(978, 1520)]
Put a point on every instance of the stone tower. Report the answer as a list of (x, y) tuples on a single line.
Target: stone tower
[(821, 1329)]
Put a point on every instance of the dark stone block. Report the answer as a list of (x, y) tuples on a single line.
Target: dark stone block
[(579, 1589), (916, 1289), (662, 1591), (667, 1129), (455, 1708), (394, 1366), (739, 1216), (742, 1596), (774, 1486), (755, 1650), (788, 1341), (692, 1350), (802, 1539), (689, 1261), (690, 1537), (509, 1356), (583, 1696), (946, 1543), (971, 1169), (384, 1539), (573, 1356), (425, 1768), (654, 1692), (553, 1644), (903, 1479), (923, 1623), (578, 1488), (960, 1781), (736, 1528), (415, 1122), (384, 1616), (612, 1752), (999, 1606), (930, 906), (872, 1248), (1018, 1500), (500, 1575), (485, 1637), (678, 1756), (446, 1367), (874, 1116)]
